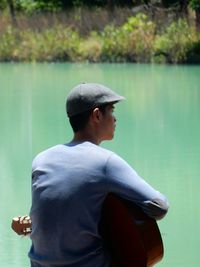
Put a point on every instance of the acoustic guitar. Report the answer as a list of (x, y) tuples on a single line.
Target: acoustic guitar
[(132, 238)]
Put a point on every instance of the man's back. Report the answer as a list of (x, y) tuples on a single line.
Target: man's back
[(70, 183), (69, 187)]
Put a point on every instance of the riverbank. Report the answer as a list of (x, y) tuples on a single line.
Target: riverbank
[(99, 38)]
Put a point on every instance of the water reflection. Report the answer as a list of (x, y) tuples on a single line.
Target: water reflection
[(157, 133)]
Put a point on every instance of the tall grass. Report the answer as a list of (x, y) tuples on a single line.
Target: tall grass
[(138, 39)]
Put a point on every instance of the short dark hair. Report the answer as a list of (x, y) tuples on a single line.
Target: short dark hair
[(79, 121)]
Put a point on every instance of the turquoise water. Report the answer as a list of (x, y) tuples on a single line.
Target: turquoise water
[(158, 133)]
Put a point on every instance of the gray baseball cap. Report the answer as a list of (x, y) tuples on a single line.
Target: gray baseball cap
[(86, 96)]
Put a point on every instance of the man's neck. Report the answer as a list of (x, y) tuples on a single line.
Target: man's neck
[(86, 136)]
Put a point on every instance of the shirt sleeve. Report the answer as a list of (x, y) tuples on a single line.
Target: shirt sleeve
[(126, 183)]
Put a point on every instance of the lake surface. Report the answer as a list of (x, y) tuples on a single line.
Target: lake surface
[(158, 133)]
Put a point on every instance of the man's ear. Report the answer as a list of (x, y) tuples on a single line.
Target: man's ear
[(96, 115)]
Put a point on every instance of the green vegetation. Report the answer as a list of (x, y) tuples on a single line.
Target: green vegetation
[(137, 40), (81, 30), (175, 44)]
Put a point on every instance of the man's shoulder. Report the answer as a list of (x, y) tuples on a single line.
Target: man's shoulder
[(99, 150), (47, 152), (86, 149)]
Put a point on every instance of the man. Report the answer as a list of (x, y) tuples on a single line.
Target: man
[(70, 183)]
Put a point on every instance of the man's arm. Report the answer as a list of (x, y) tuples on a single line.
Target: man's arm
[(126, 183)]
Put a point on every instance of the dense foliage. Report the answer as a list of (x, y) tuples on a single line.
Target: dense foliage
[(195, 4), (53, 5), (137, 40), (30, 6), (62, 4)]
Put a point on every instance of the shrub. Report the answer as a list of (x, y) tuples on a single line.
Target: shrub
[(54, 44), (114, 47), (133, 41), (141, 35), (91, 48), (173, 44), (8, 44)]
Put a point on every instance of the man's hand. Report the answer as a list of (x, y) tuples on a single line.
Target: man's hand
[(21, 225)]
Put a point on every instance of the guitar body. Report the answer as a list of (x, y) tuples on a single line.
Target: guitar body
[(132, 238)]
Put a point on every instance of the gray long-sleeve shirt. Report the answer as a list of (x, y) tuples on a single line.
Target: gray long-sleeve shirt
[(69, 184)]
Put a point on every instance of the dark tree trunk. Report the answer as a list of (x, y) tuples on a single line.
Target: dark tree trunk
[(197, 11), (184, 7), (12, 12), (110, 4)]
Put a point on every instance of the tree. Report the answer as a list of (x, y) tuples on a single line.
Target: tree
[(170, 3), (184, 6), (12, 11), (195, 5)]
